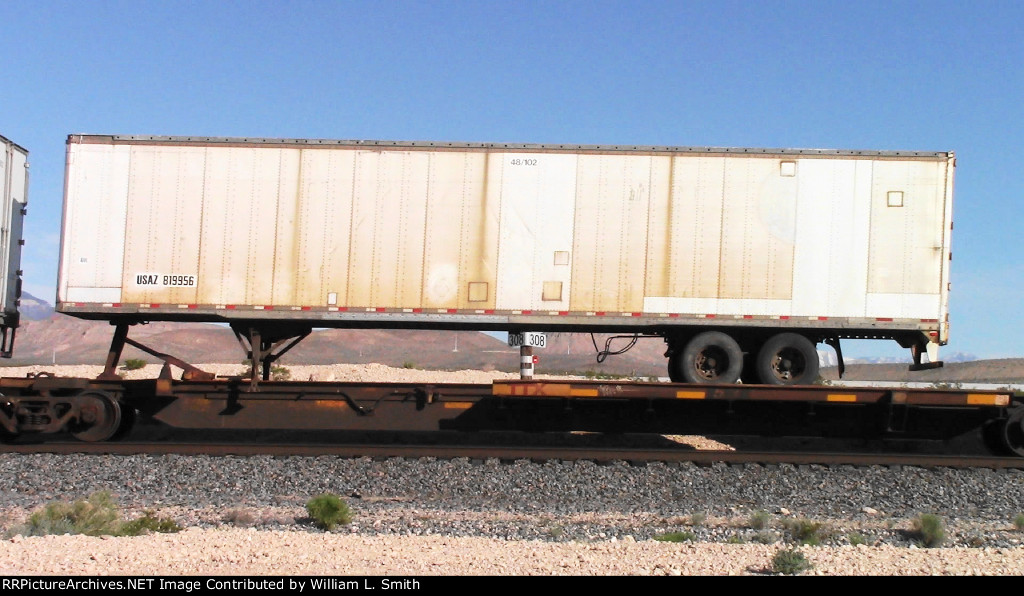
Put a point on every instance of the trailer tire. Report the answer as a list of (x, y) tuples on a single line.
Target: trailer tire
[(710, 357), (787, 359), (1012, 431)]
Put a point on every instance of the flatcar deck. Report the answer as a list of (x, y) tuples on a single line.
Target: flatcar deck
[(102, 409)]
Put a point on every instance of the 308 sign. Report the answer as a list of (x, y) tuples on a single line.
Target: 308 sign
[(533, 340)]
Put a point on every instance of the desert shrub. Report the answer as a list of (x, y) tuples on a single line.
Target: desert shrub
[(765, 537), (804, 531), (134, 364), (676, 537), (149, 523), (759, 520), (96, 516), (928, 530), (280, 373), (698, 519), (328, 510), (857, 539), (1018, 522), (790, 562)]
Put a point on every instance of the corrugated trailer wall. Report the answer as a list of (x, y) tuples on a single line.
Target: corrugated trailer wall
[(13, 203), (298, 224)]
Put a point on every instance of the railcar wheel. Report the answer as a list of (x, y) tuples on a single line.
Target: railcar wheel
[(99, 416), (787, 359), (710, 357), (1012, 431)]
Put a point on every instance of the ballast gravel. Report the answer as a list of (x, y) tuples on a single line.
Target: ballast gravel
[(426, 517), (245, 515)]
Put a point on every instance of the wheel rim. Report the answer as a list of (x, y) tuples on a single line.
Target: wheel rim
[(99, 417), (788, 364), (711, 363)]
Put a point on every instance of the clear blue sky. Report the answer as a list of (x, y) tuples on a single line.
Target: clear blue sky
[(929, 75)]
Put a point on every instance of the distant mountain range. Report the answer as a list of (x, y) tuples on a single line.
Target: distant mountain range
[(33, 308), (49, 338)]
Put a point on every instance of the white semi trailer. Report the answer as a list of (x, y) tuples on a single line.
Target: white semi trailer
[(13, 205), (741, 259)]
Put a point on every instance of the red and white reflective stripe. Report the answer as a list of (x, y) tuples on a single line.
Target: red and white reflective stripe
[(478, 311)]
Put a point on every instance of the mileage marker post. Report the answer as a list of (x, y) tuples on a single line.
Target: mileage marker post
[(527, 341)]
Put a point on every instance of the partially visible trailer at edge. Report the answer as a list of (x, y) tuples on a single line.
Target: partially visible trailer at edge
[(742, 259), (13, 205)]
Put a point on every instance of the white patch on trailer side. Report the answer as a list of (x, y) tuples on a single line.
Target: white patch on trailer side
[(832, 231), (538, 195), (910, 306), (95, 218)]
